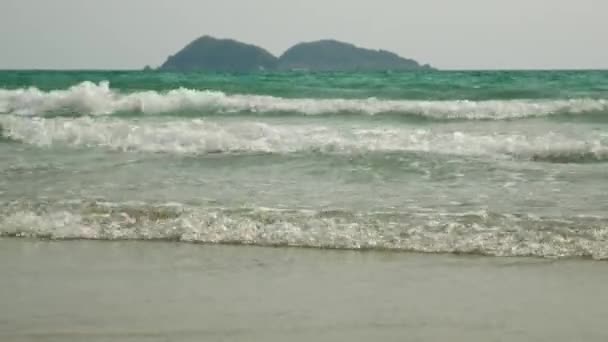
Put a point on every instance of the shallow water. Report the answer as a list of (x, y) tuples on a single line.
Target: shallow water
[(489, 163)]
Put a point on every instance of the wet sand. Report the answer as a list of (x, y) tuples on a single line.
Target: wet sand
[(148, 291)]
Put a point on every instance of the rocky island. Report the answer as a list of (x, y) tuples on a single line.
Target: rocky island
[(227, 55), (223, 55), (332, 55)]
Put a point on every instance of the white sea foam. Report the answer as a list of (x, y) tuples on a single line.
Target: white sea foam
[(196, 136), (96, 99), (476, 233)]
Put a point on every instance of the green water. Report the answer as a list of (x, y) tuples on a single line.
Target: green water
[(493, 163), (424, 85)]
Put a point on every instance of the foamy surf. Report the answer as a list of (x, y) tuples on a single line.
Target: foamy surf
[(481, 233), (202, 137), (88, 98)]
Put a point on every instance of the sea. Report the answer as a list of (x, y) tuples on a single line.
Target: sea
[(492, 163), (303, 206)]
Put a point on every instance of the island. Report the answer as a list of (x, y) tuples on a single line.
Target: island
[(332, 55), (220, 55), (227, 55)]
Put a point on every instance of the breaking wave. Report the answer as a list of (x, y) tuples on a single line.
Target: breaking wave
[(202, 137), (88, 98), (481, 232)]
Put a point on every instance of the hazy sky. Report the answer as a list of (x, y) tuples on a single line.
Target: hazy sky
[(449, 34)]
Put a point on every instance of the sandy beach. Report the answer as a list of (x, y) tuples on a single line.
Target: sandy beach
[(146, 291)]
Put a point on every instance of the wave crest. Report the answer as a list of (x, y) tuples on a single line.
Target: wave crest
[(97, 99), (201, 137)]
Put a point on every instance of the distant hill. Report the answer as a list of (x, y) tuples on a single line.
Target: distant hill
[(332, 55), (227, 55)]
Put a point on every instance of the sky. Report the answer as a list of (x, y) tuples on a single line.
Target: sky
[(448, 34)]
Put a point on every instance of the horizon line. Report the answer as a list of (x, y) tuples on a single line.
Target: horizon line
[(434, 69)]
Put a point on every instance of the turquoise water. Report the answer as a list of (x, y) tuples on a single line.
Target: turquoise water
[(491, 163)]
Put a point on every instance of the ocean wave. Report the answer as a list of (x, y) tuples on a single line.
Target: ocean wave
[(572, 156), (483, 232), (202, 137), (88, 98)]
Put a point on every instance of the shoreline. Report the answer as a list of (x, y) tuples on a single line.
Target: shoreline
[(363, 250)]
